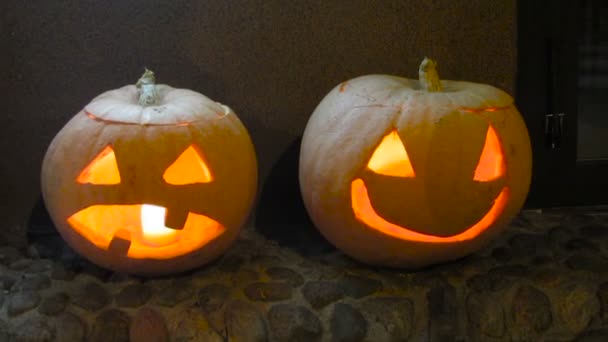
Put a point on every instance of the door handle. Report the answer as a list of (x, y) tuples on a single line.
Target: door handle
[(554, 130)]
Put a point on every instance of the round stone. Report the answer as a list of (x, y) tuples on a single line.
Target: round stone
[(176, 292), (347, 324), (148, 326), (588, 262), (594, 231), (34, 329), (39, 266), (8, 255), (486, 314), (602, 294), (91, 296), (33, 282), (395, 315), (111, 325), (531, 312), (7, 279), (60, 272), (21, 264), (212, 297), (357, 286), (70, 328), (600, 335), (285, 274), (192, 325), (54, 304), (268, 292), (488, 282), (321, 293), (133, 296), (21, 302), (580, 244), (289, 322), (244, 323), (576, 305), (443, 306)]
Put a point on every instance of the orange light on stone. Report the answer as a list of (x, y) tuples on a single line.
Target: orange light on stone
[(365, 213)]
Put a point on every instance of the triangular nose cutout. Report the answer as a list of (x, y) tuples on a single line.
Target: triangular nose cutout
[(188, 168), (102, 170), (390, 158), (491, 162)]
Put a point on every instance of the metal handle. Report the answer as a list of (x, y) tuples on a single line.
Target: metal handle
[(554, 130)]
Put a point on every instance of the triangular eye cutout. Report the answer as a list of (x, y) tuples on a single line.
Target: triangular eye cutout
[(390, 158), (491, 162), (188, 168), (102, 170)]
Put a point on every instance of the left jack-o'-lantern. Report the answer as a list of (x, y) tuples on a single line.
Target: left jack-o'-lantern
[(149, 179)]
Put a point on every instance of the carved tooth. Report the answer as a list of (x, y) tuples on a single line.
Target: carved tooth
[(175, 218)]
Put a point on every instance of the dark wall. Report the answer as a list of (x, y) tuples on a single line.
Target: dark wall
[(271, 61)]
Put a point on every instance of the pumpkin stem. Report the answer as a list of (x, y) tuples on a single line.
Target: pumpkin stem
[(428, 77), (148, 96)]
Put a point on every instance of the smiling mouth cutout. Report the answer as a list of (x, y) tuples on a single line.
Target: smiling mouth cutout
[(139, 230), (391, 159)]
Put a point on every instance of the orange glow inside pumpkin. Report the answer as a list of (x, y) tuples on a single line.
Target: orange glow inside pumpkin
[(188, 168), (390, 158), (491, 162), (102, 170), (143, 225), (364, 212)]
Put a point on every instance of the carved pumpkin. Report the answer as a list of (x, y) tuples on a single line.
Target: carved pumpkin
[(150, 179), (407, 173)]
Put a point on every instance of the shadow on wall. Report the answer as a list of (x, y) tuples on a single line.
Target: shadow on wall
[(281, 215)]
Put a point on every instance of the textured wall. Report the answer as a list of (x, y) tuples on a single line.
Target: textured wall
[(271, 61)]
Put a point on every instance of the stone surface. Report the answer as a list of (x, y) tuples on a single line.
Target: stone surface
[(133, 296), (531, 312), (32, 283), (70, 328), (541, 281), (268, 292), (192, 325), (393, 315), (21, 302), (486, 314), (294, 323), (443, 306), (91, 296), (357, 286), (576, 306), (54, 304), (602, 294), (212, 297), (34, 329), (347, 324), (148, 326), (244, 323), (285, 274), (178, 291), (321, 293), (111, 325)]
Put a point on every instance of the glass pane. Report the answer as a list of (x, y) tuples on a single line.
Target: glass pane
[(593, 81)]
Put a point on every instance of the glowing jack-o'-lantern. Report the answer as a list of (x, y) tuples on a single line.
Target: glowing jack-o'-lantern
[(408, 173), (149, 179)]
